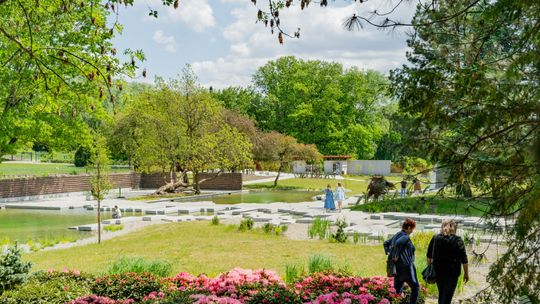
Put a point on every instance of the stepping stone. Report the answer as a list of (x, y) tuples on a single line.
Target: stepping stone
[(305, 220)]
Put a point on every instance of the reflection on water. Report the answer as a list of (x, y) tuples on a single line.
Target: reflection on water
[(22, 225)]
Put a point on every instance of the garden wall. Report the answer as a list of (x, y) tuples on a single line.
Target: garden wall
[(36, 186), (369, 167), (225, 181)]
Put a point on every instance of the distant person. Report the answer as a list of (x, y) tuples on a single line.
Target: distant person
[(447, 253), (403, 192), (417, 186), (117, 214), (329, 199), (340, 196), (402, 253)]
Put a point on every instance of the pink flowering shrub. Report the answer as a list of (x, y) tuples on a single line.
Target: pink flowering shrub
[(129, 285), (241, 286), (93, 299), (313, 287)]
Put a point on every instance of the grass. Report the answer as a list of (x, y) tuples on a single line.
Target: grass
[(140, 265), (39, 169), (113, 228), (432, 205), (198, 247), (318, 184)]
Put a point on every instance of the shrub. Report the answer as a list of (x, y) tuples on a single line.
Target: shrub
[(113, 228), (82, 157), (319, 228), (284, 228), (293, 272), (275, 294), (13, 270), (268, 228), (246, 225), (278, 230), (320, 263), (126, 286), (356, 237), (93, 299), (50, 287), (215, 220), (340, 235), (140, 265)]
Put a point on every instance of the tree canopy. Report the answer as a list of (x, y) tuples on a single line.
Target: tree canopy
[(472, 90), (316, 102)]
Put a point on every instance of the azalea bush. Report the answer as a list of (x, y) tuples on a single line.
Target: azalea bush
[(53, 287), (238, 286), (129, 285), (93, 299)]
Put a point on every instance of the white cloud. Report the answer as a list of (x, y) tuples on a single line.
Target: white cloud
[(168, 41), (197, 14), (322, 37)]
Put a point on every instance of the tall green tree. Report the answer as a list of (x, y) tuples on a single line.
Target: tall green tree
[(57, 66), (177, 126), (472, 89), (321, 103)]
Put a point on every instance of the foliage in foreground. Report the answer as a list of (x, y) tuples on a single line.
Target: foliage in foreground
[(13, 270), (140, 265), (432, 205), (235, 286)]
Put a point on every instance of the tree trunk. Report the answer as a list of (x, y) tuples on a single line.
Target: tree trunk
[(196, 186), (99, 221), (278, 173)]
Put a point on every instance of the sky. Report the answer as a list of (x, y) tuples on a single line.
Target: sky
[(224, 45)]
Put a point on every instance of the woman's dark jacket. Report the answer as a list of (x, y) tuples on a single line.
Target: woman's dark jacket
[(448, 256)]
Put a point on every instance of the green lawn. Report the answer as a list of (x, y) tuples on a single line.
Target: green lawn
[(318, 184), (199, 247), (432, 204), (40, 169)]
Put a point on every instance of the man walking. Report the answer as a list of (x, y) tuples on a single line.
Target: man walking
[(403, 192)]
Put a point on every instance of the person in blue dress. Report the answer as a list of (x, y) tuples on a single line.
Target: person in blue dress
[(329, 199), (340, 196)]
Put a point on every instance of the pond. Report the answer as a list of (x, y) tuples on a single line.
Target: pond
[(263, 197), (22, 225)]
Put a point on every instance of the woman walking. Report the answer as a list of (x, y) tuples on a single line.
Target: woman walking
[(402, 253), (329, 199), (340, 196), (447, 253)]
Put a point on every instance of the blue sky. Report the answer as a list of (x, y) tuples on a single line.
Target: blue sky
[(224, 45)]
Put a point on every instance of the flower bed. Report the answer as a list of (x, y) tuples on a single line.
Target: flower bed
[(240, 286)]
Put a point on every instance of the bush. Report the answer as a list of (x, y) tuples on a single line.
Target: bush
[(13, 270), (215, 220), (268, 228), (319, 228), (140, 265), (320, 263), (82, 157), (113, 228), (93, 299), (246, 225), (50, 287), (340, 235), (275, 294), (126, 286), (293, 273)]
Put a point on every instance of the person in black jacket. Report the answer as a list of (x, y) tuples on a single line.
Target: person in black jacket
[(402, 254), (447, 253)]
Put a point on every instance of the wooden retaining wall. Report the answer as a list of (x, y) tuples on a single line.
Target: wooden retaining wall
[(35, 186)]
